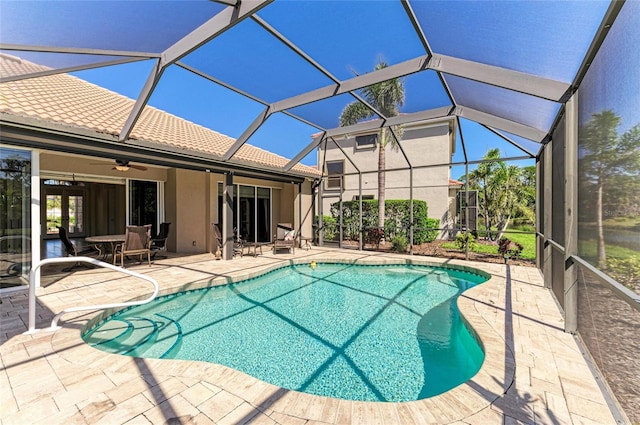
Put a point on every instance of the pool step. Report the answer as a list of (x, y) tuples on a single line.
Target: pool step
[(108, 335), (138, 336), (168, 340)]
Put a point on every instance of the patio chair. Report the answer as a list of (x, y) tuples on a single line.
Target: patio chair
[(159, 242), (71, 250), (238, 243), (285, 238), (137, 241)]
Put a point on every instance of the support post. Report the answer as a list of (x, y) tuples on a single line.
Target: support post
[(341, 233), (320, 213), (360, 241), (540, 211), (410, 210), (547, 269), (299, 233), (466, 210), (227, 217), (570, 215)]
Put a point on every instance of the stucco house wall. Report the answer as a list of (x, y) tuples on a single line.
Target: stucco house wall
[(424, 145)]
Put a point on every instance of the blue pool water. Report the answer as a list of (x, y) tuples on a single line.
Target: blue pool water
[(376, 333)]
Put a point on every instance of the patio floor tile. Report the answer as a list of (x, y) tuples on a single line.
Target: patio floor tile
[(533, 372)]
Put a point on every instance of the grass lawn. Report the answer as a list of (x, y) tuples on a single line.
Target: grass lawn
[(528, 242)]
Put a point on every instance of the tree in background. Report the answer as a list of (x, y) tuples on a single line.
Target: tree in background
[(387, 97), (505, 192), (606, 157)]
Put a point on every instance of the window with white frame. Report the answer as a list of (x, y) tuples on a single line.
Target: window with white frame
[(335, 170), (366, 141)]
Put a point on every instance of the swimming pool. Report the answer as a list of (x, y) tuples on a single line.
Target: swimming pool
[(375, 333)]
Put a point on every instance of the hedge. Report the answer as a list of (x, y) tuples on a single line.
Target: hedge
[(397, 219)]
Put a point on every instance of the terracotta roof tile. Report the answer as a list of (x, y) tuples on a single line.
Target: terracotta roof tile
[(67, 99)]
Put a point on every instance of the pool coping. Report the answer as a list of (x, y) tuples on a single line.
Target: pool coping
[(491, 382)]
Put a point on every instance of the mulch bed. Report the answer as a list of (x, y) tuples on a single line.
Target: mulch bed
[(435, 249)]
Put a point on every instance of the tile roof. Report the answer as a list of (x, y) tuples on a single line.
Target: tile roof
[(69, 100)]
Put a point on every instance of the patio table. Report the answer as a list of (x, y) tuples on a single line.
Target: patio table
[(108, 243), (256, 246)]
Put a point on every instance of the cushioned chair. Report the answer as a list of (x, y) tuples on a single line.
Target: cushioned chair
[(159, 242), (285, 238), (137, 241), (71, 250)]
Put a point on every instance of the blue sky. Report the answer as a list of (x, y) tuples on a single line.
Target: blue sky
[(188, 96), (343, 36)]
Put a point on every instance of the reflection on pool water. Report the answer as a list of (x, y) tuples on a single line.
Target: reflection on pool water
[(376, 333)]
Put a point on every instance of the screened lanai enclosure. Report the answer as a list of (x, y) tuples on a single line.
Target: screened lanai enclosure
[(398, 124)]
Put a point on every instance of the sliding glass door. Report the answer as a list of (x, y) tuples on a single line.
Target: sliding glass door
[(251, 212), (246, 213)]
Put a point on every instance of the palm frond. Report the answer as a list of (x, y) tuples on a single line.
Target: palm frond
[(355, 112)]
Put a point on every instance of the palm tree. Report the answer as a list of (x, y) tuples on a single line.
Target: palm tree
[(513, 196), (506, 191), (387, 97), (480, 178)]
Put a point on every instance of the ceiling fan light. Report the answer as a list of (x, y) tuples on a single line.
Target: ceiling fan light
[(122, 167)]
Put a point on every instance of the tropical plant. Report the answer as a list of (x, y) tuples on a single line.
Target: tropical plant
[(387, 97), (399, 243), (509, 249), (464, 241), (505, 192)]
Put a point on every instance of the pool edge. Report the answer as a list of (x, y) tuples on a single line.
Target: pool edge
[(492, 380)]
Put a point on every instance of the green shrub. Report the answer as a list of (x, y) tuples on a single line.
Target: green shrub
[(463, 240), (330, 229), (399, 243), (397, 219)]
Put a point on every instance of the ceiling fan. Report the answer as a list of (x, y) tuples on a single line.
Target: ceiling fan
[(124, 165)]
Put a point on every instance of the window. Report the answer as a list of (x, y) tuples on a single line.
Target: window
[(364, 197), (366, 141), (335, 169)]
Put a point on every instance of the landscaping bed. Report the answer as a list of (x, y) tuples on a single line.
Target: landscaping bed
[(437, 248)]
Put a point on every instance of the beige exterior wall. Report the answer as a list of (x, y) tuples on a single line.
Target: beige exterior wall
[(191, 211), (304, 210), (170, 208), (424, 146)]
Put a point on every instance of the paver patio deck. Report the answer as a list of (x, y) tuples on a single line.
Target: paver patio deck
[(533, 372)]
